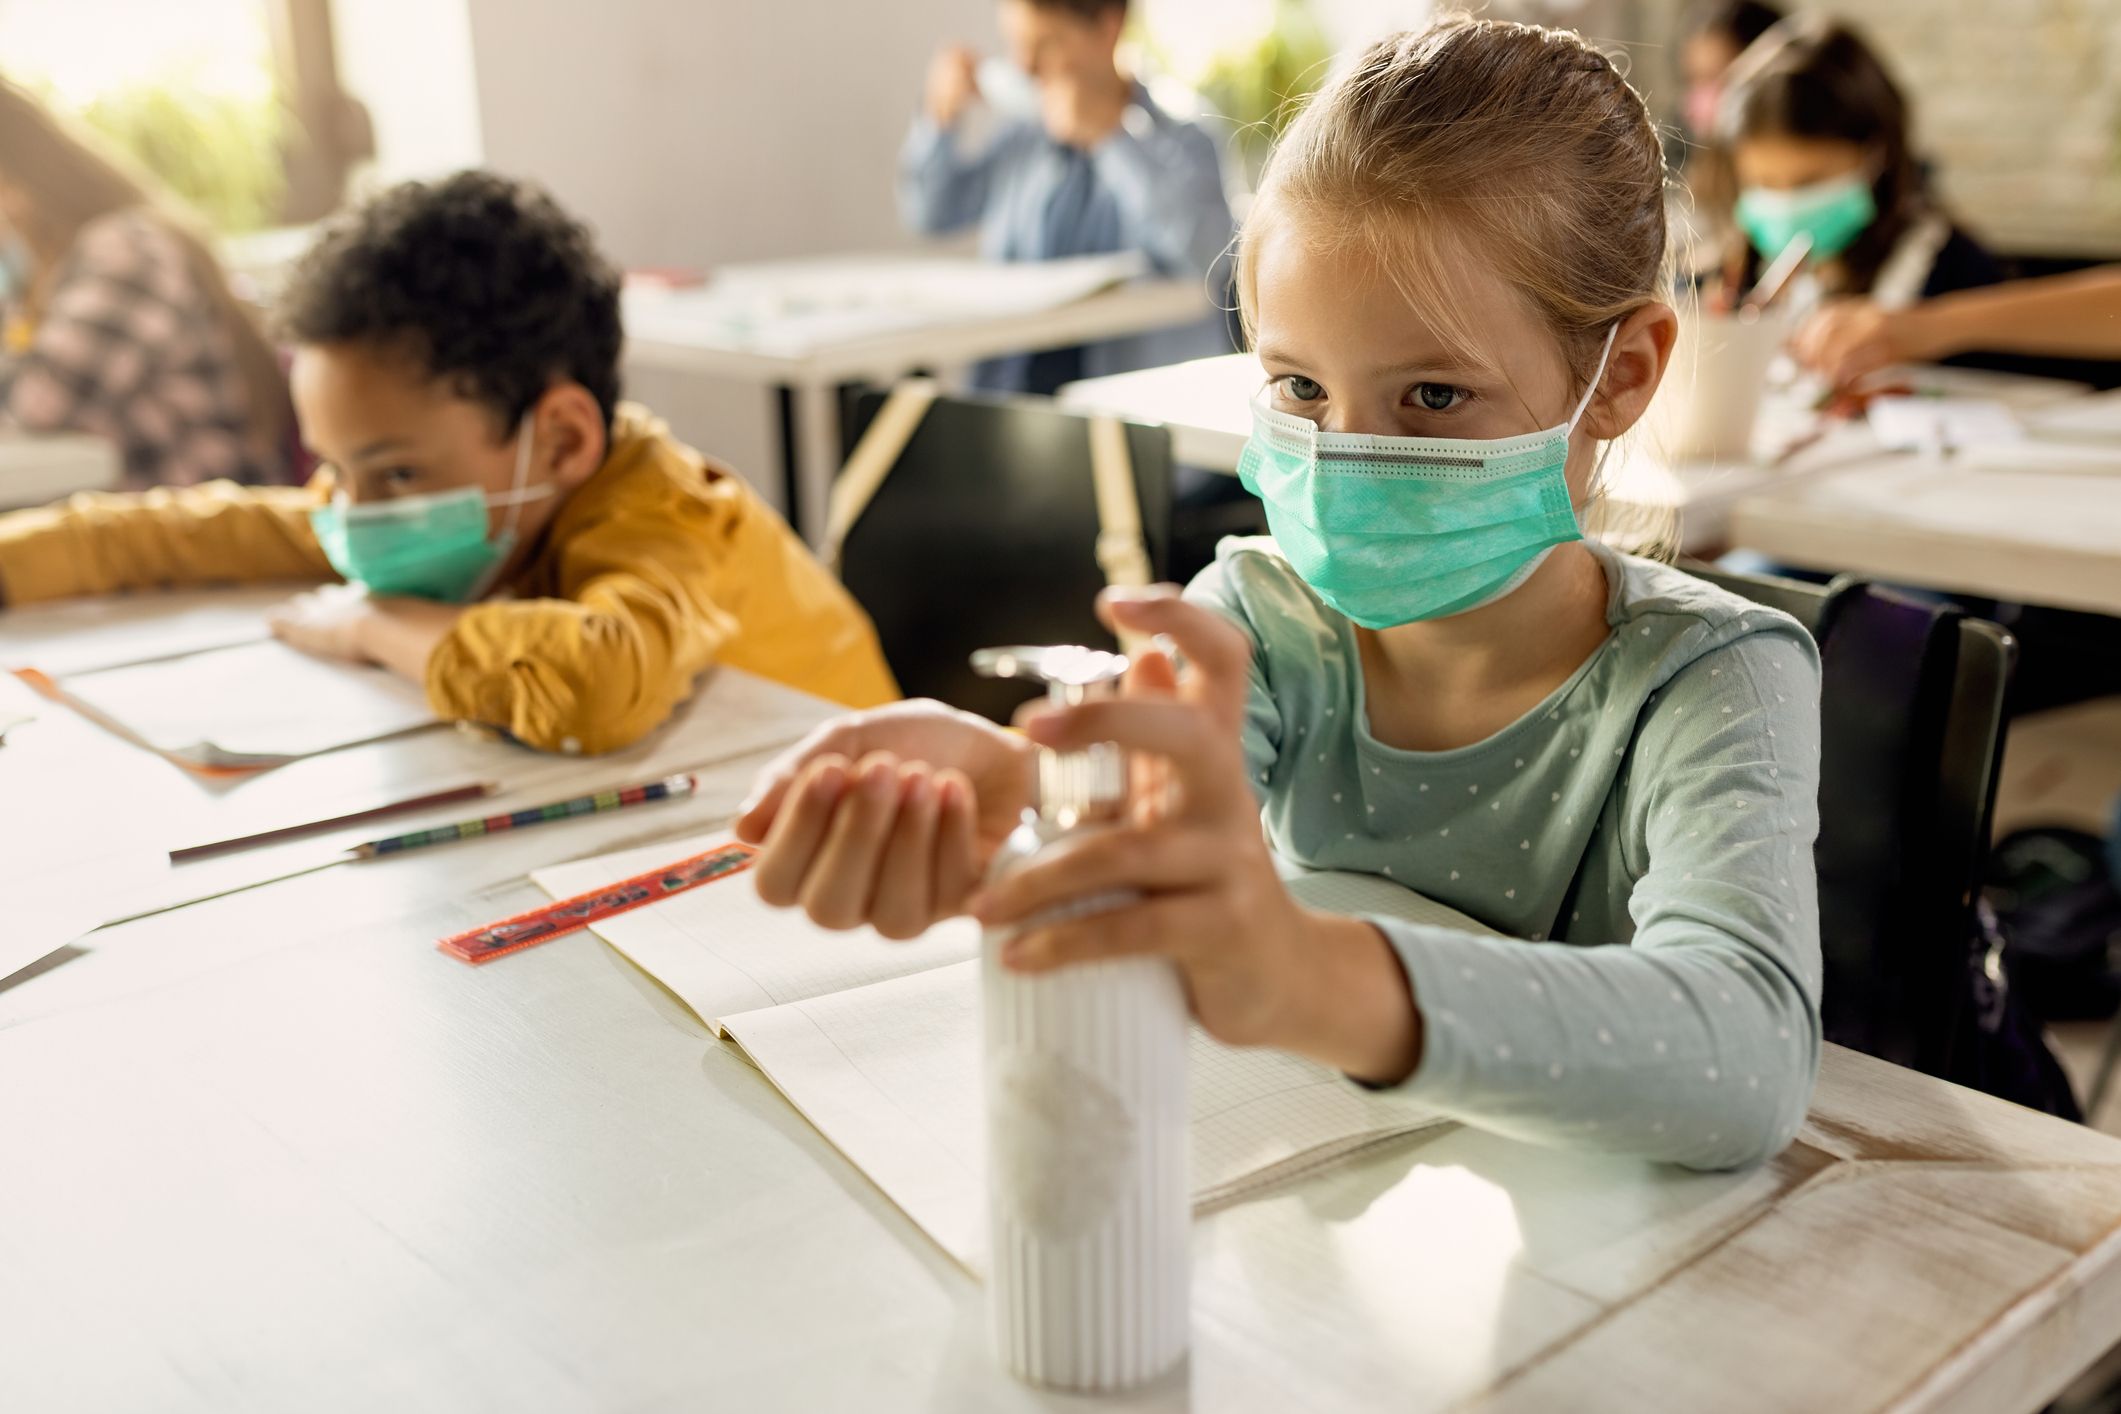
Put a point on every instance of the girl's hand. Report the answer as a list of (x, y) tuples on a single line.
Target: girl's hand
[(887, 817), (1258, 969), (1847, 339)]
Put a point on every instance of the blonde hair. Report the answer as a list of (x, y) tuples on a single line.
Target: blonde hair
[(71, 180), (1518, 146)]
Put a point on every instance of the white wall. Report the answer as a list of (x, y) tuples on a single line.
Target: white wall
[(410, 63), (696, 132)]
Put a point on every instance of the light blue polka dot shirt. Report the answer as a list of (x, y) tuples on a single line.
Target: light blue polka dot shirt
[(1643, 837)]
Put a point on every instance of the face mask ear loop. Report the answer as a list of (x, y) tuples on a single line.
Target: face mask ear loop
[(524, 442), (1597, 376)]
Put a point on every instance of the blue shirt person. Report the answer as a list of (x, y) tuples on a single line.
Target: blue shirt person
[(1082, 162)]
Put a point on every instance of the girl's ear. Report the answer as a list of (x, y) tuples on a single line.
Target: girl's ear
[(1641, 352), (570, 435)]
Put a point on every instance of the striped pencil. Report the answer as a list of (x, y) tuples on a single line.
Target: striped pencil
[(597, 804)]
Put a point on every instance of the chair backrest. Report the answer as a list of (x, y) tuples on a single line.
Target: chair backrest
[(985, 533), (1912, 714)]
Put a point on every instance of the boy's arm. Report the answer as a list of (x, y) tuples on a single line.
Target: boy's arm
[(99, 543), (941, 190), (599, 669), (1168, 182)]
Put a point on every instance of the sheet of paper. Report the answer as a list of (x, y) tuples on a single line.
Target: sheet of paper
[(2045, 458), (1942, 424), (35, 933), (255, 704), (794, 307), (2094, 418), (722, 951), (890, 1073), (84, 635)]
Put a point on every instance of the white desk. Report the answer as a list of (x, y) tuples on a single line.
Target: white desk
[(1206, 403), (276, 1152), (683, 331), (35, 469), (1992, 528)]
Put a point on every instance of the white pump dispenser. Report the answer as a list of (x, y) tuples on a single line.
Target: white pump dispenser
[(1089, 1213)]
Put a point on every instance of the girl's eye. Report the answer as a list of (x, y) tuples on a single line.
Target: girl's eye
[(1301, 389), (401, 476), (1437, 397)]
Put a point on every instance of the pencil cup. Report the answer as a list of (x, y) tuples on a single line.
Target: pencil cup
[(1710, 400), (1088, 1196)]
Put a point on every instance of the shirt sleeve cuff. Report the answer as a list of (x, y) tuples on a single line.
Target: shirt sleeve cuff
[(1439, 963)]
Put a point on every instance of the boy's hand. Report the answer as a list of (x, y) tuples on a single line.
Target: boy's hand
[(953, 84), (887, 817), (1258, 969), (327, 622), (342, 621)]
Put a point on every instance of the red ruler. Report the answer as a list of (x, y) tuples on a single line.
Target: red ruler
[(568, 915)]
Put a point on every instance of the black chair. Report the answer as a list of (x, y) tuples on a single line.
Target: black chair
[(985, 533), (1912, 715)]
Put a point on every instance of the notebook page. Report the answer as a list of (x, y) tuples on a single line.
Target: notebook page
[(891, 1075), (722, 951), (112, 631), (254, 704)]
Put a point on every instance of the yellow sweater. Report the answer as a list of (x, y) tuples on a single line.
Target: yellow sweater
[(662, 563)]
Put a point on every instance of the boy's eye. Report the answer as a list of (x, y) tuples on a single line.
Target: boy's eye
[(1300, 389), (400, 476), (1437, 397)]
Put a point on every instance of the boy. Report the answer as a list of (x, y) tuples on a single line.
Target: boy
[(543, 558), (1096, 166)]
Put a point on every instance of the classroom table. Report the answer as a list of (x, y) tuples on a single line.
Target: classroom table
[(680, 330), (2016, 524), (39, 467), (274, 1151), (1206, 404)]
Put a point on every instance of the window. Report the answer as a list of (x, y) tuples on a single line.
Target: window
[(234, 105)]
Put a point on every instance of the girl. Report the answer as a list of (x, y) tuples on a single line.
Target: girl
[(1451, 275), (1819, 144), (1712, 36), (119, 320)]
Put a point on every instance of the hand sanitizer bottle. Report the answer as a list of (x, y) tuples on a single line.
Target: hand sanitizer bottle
[(1089, 1201)]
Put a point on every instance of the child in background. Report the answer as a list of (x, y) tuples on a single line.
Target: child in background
[(544, 558), (120, 322), (1082, 162), (1819, 142), (1452, 277), (1712, 36)]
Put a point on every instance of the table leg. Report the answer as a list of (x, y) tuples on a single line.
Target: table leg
[(811, 413)]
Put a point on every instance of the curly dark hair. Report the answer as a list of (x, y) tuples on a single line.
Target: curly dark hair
[(481, 280)]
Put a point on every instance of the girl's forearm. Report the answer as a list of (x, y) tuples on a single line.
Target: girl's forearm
[(2066, 316), (1356, 1010)]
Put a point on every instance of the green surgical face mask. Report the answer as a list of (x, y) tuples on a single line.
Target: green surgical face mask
[(1833, 213), (1394, 530), (427, 547)]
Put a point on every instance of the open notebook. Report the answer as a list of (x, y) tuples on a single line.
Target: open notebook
[(878, 1043), (246, 706)]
